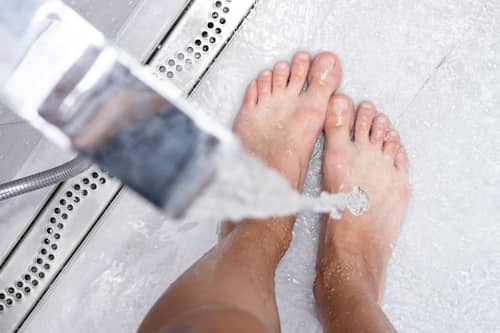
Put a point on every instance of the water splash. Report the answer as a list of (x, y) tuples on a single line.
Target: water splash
[(246, 188)]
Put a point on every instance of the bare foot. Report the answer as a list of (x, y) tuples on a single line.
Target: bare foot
[(354, 251), (280, 121)]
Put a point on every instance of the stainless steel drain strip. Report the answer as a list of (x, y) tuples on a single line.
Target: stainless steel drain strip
[(48, 245), (197, 39), (183, 57)]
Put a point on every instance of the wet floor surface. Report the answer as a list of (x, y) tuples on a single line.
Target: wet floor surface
[(435, 69)]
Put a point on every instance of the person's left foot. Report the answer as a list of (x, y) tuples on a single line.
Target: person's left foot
[(281, 120)]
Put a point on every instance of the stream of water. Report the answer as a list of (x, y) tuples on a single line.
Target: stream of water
[(246, 188)]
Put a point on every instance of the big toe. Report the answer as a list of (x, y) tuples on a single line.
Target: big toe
[(339, 120), (324, 76)]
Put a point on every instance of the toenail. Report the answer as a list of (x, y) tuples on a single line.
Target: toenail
[(281, 66), (340, 105), (364, 121), (303, 56), (327, 63), (392, 134), (382, 120), (379, 135), (301, 70), (364, 125), (266, 73), (366, 105)]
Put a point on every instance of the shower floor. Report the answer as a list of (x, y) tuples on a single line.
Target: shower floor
[(434, 68)]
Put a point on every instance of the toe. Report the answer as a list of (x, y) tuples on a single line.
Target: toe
[(392, 144), (366, 113), (250, 99), (264, 83), (249, 106), (339, 120), (380, 127), (300, 66), (281, 74), (324, 76), (401, 160)]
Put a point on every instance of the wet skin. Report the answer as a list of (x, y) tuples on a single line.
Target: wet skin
[(280, 122)]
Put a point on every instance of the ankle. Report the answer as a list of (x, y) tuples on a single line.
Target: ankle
[(346, 275), (352, 310), (273, 235), (352, 253)]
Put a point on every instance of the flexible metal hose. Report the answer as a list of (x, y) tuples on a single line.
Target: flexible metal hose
[(43, 179)]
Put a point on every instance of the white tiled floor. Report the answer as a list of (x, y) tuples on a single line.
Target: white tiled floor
[(434, 67)]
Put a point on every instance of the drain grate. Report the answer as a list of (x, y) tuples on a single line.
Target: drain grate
[(197, 39), (50, 242), (183, 57)]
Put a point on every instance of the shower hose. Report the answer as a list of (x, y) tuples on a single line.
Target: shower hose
[(43, 179)]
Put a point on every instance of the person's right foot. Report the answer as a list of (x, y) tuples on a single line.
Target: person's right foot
[(354, 251)]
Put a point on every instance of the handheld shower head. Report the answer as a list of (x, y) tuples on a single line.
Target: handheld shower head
[(88, 96)]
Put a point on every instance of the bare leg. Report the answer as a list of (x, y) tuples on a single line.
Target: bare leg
[(354, 251), (231, 289)]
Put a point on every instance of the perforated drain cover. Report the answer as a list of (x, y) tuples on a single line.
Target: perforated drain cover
[(197, 39), (50, 242), (183, 57)]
